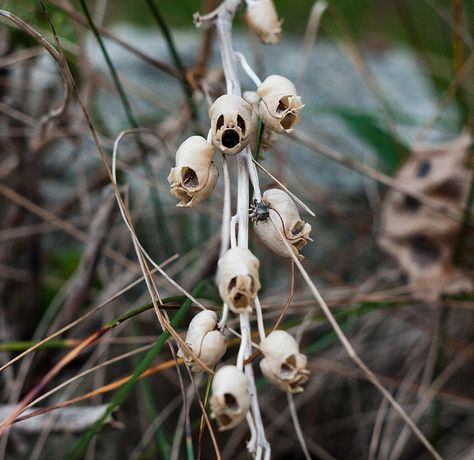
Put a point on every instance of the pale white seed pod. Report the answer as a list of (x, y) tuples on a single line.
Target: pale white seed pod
[(262, 19), (195, 175), (283, 365), (283, 221), (205, 340), (231, 123), (238, 279), (230, 400), (280, 104), (268, 136)]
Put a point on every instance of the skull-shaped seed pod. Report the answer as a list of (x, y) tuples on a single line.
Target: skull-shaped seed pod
[(231, 123), (262, 19), (284, 220), (206, 342), (230, 400), (283, 365), (268, 136), (195, 175), (280, 105), (238, 280)]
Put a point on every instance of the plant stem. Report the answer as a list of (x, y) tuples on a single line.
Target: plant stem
[(244, 159)]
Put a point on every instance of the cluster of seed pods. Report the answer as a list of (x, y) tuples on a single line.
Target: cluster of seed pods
[(234, 125)]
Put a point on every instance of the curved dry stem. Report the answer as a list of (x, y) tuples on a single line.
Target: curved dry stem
[(354, 356), (53, 52)]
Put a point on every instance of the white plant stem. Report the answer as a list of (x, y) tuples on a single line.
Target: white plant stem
[(224, 20), (248, 70)]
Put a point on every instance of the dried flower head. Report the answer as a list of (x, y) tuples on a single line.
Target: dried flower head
[(205, 340), (238, 280), (230, 399), (195, 175), (268, 136), (231, 123), (280, 105), (263, 20), (283, 365), (283, 221)]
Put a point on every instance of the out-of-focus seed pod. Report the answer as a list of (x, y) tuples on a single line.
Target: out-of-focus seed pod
[(230, 400), (283, 221), (231, 123), (280, 104), (263, 20), (268, 136), (205, 340), (283, 365), (195, 175), (238, 280)]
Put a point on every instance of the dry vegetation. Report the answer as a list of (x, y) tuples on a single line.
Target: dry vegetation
[(100, 272)]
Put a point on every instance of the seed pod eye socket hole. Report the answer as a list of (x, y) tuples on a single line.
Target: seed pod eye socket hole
[(288, 120), (241, 124), (220, 122), (283, 104), (232, 283), (189, 177), (286, 370), (231, 402), (297, 228)]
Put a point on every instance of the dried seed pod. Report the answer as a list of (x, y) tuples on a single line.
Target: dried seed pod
[(206, 342), (268, 136), (231, 123), (284, 220), (195, 175), (230, 400), (262, 19), (283, 365), (280, 105), (238, 280), (423, 241)]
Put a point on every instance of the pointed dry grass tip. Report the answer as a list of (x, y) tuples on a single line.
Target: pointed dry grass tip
[(231, 123), (283, 365), (283, 222), (237, 279), (263, 20), (230, 400), (195, 175), (280, 105), (205, 341)]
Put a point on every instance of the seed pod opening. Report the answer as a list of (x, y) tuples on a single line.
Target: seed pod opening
[(195, 175), (280, 105), (230, 400), (284, 220), (283, 365), (231, 123), (238, 279), (262, 19), (206, 342)]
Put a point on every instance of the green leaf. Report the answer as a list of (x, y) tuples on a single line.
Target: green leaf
[(390, 150)]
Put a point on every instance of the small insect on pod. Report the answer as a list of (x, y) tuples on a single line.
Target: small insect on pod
[(262, 19), (283, 365), (231, 123), (238, 280), (195, 175), (206, 342), (283, 222), (280, 105), (230, 400), (268, 136)]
